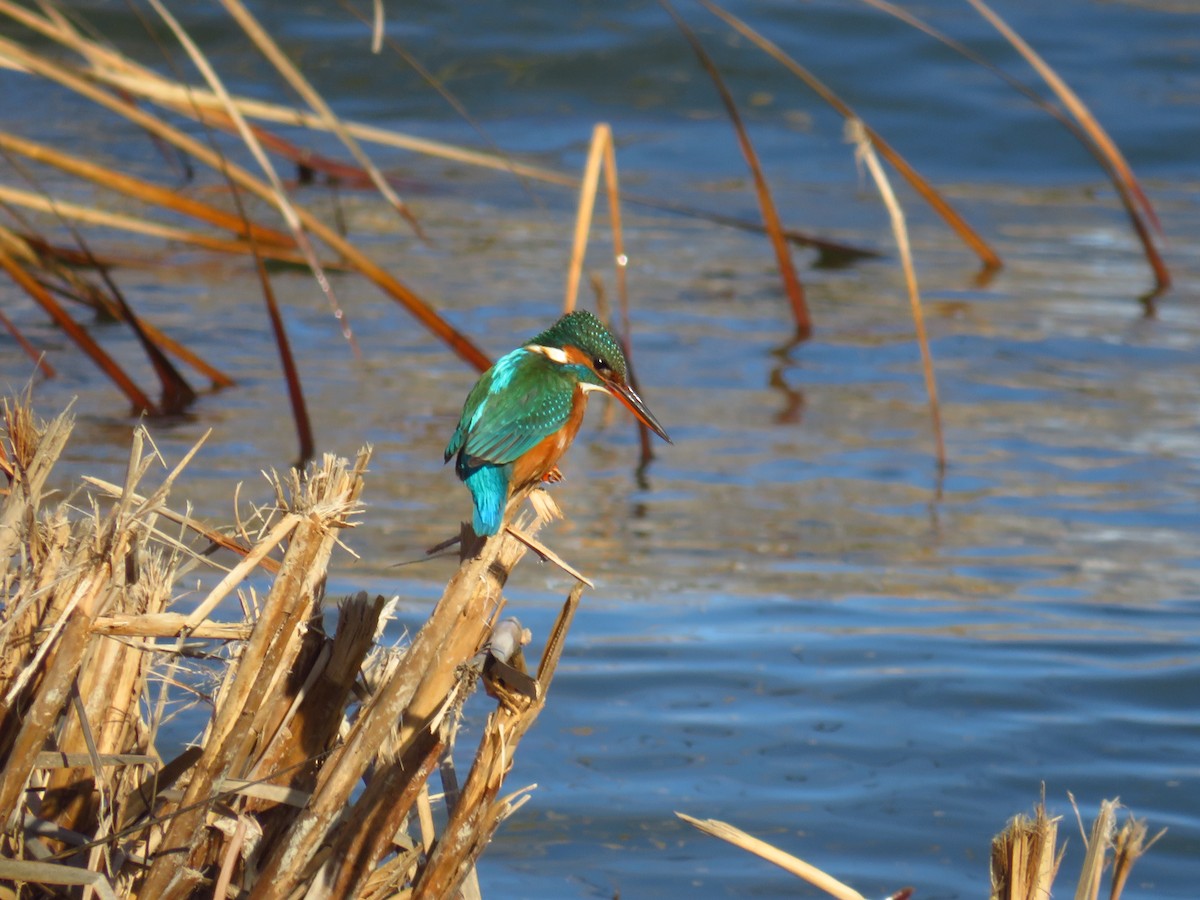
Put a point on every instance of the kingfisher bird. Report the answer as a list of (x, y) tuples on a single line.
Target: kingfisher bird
[(524, 412)]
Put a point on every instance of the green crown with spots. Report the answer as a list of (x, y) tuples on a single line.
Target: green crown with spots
[(583, 330)]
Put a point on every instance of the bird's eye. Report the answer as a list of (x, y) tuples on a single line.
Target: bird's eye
[(601, 364)]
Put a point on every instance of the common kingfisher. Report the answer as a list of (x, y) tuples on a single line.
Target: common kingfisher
[(524, 412)]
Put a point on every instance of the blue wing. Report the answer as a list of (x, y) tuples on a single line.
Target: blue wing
[(519, 402)]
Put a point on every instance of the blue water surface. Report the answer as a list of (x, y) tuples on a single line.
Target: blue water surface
[(799, 626)]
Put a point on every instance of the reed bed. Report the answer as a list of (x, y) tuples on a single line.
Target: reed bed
[(325, 758), (187, 116)]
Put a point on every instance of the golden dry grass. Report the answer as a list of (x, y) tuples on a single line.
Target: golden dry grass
[(314, 764)]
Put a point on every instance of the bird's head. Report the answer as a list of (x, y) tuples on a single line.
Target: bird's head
[(581, 341)]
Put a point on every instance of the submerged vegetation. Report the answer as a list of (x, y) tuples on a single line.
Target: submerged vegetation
[(326, 761)]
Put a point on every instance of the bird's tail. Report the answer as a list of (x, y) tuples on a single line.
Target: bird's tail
[(489, 490)]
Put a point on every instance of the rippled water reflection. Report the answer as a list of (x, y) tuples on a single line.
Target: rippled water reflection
[(798, 627)]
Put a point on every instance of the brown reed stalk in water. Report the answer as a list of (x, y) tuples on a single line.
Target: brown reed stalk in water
[(1084, 127), (987, 255), (783, 255)]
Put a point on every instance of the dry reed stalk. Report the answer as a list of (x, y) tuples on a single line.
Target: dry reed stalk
[(1129, 845), (602, 158), (1023, 861), (69, 685), (91, 215), (223, 541), (145, 191), (864, 150), (224, 814), (198, 103), (400, 731), (53, 265), (783, 256), (988, 256), (94, 576), (1137, 205), (278, 194), (601, 137), (29, 283), (786, 861), (479, 810), (1103, 830), (68, 799), (31, 448), (318, 507), (37, 356), (73, 79), (1084, 127), (270, 49)]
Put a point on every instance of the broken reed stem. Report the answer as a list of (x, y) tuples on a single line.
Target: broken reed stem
[(478, 812), (857, 135), (1103, 829), (400, 728), (786, 861), (1023, 860), (589, 184), (267, 802)]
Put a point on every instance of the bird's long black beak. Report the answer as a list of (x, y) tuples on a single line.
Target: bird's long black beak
[(626, 395)]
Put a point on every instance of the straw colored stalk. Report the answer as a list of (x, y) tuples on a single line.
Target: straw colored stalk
[(400, 731), (51, 264), (311, 723), (145, 191), (89, 574), (320, 506), (27, 282), (1137, 205), (1128, 847), (1080, 122), (479, 810), (865, 151), (602, 156), (278, 194), (198, 103), (134, 80), (786, 861), (1023, 859), (72, 78), (1104, 827), (266, 44)]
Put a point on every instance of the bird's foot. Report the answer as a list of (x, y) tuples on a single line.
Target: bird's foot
[(554, 476)]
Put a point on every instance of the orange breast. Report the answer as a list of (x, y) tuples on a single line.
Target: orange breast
[(533, 465)]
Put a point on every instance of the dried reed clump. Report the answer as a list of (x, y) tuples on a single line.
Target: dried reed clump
[(1023, 859), (317, 750)]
